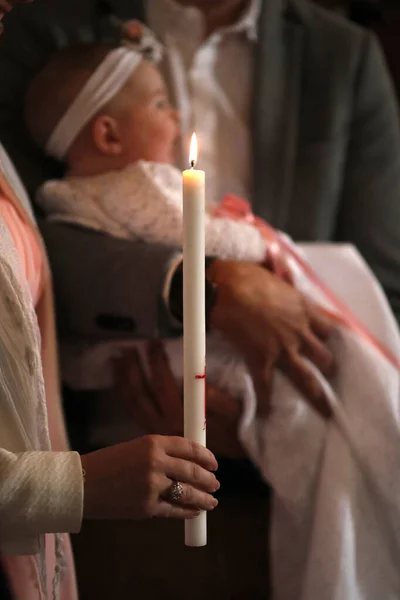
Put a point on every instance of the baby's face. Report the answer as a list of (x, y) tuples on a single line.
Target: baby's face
[(150, 126)]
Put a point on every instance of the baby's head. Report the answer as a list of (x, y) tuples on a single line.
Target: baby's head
[(100, 108)]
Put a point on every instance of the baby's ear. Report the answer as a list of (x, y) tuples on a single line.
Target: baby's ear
[(106, 135)]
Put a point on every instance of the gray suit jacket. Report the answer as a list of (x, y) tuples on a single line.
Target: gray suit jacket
[(326, 152)]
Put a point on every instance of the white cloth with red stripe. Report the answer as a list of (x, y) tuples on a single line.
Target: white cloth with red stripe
[(335, 523)]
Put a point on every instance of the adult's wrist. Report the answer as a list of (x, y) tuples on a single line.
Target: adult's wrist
[(220, 274), (89, 487), (175, 299)]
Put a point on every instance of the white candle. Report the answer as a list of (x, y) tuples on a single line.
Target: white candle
[(194, 326)]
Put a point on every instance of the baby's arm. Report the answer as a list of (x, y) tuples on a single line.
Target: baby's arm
[(152, 197), (154, 213), (234, 240)]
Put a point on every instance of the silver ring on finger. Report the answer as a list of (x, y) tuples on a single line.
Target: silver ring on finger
[(175, 492)]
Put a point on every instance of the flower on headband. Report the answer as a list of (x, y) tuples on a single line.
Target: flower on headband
[(137, 36)]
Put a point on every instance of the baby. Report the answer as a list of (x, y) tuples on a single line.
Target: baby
[(106, 114)]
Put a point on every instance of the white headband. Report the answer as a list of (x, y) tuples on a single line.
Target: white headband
[(103, 85)]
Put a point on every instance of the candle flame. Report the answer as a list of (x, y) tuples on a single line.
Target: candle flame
[(193, 151)]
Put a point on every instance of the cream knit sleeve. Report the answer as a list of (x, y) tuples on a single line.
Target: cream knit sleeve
[(40, 492)]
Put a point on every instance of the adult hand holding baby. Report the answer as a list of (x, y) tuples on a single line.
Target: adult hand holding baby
[(272, 325)]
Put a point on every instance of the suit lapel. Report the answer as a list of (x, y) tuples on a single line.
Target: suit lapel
[(276, 107)]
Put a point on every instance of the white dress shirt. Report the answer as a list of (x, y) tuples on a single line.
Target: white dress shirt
[(211, 81)]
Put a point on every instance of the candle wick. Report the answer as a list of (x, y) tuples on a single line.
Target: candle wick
[(192, 164)]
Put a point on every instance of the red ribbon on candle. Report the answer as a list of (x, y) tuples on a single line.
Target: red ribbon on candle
[(203, 376), (236, 208)]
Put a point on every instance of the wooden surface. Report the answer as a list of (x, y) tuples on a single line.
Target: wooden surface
[(148, 559)]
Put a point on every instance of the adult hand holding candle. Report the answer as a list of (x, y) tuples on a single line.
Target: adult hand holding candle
[(194, 326)]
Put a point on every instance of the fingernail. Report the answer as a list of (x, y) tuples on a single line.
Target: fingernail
[(215, 503), (215, 468), (217, 485)]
